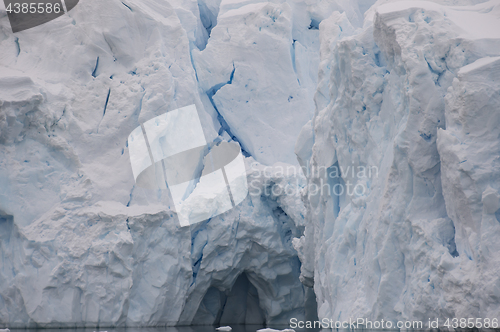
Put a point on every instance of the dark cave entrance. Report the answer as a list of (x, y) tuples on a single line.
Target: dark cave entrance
[(6, 227), (240, 305)]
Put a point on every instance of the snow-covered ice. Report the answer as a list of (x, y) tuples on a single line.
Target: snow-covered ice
[(406, 90), (81, 244), (415, 94)]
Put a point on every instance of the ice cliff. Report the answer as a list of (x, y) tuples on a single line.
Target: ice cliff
[(414, 97), (109, 264), (81, 244), (408, 91)]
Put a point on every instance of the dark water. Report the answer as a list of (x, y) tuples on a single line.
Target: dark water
[(208, 328), (235, 328)]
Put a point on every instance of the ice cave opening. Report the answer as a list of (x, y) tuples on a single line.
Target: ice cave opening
[(6, 225), (240, 305)]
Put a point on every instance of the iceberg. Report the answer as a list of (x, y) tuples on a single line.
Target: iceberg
[(108, 264), (82, 245), (368, 135), (412, 96)]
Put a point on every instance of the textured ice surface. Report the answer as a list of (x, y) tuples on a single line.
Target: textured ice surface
[(80, 243), (110, 264), (416, 94), (407, 87), (260, 70)]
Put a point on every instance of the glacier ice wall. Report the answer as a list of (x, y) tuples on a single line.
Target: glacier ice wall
[(81, 245), (110, 265), (407, 119), (404, 89), (259, 70)]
